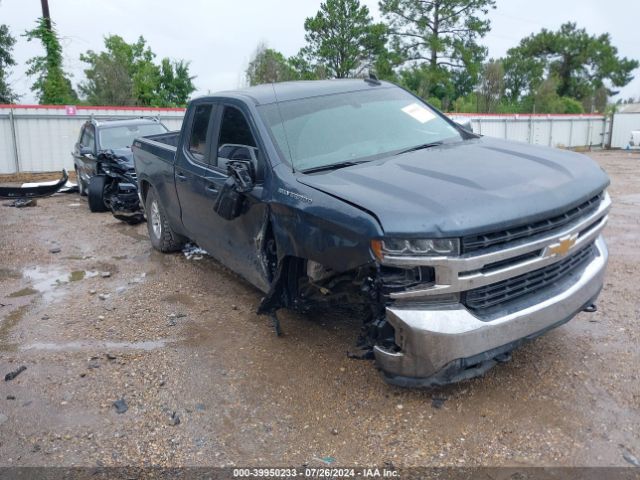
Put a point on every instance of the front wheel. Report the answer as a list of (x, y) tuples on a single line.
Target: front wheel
[(97, 186), (162, 236)]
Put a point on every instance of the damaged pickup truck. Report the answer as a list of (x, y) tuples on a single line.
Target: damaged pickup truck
[(355, 194), (104, 165)]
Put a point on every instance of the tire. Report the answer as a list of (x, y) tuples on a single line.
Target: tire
[(82, 190), (97, 185), (162, 236)]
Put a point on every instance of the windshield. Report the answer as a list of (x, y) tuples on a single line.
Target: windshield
[(114, 138), (352, 127)]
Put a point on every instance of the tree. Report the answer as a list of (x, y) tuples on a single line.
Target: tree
[(491, 88), (52, 85), (441, 32), (342, 38), (176, 84), (442, 37), (579, 63), (7, 41), (522, 75), (429, 84), (270, 66), (109, 77), (545, 99), (125, 74)]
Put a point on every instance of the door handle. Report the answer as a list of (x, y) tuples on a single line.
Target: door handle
[(212, 189), (181, 176)]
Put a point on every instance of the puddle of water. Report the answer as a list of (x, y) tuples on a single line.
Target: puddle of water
[(77, 275), (47, 281), (23, 293), (145, 345)]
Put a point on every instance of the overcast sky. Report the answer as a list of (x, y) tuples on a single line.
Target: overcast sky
[(219, 36)]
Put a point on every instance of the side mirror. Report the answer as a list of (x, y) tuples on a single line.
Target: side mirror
[(85, 150), (242, 175), (231, 199), (466, 124)]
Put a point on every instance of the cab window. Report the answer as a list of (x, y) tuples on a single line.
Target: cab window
[(236, 142), (88, 138), (198, 140)]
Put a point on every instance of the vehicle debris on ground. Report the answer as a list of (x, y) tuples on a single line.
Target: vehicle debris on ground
[(23, 194)]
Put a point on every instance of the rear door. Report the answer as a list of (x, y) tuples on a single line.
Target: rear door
[(195, 192)]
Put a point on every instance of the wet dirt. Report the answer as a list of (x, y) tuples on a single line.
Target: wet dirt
[(169, 334)]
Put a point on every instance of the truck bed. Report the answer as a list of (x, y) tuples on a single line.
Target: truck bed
[(168, 138), (162, 146)]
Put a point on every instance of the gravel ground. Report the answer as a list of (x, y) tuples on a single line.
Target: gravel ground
[(206, 381)]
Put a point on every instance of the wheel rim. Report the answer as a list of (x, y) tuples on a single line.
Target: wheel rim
[(156, 224)]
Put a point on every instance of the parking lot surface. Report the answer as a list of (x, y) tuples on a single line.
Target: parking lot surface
[(204, 381)]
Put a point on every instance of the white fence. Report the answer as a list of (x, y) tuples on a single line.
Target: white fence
[(37, 138), (40, 138), (566, 131), (623, 125)]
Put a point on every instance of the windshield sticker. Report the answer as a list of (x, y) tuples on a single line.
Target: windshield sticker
[(418, 112)]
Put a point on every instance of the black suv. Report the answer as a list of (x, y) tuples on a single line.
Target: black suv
[(103, 135)]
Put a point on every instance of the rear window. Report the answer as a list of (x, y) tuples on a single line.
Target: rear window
[(198, 145), (113, 138)]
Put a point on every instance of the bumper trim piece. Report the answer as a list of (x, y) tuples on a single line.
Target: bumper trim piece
[(431, 339)]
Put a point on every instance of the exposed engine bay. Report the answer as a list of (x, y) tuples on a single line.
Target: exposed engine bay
[(305, 286), (115, 189)]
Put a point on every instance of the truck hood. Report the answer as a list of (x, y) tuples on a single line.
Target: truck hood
[(125, 157), (464, 188), (122, 156)]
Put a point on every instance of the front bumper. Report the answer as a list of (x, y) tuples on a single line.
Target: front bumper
[(440, 345)]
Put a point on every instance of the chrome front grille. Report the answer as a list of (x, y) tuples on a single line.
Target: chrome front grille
[(484, 268), (526, 284), (472, 243)]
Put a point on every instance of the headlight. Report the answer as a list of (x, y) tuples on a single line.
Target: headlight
[(415, 247)]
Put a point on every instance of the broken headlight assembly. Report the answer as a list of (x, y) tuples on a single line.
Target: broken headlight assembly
[(435, 247)]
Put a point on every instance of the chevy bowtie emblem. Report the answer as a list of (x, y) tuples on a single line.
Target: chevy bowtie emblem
[(563, 246)]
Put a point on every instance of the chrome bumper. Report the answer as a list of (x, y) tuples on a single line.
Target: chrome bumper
[(431, 338)]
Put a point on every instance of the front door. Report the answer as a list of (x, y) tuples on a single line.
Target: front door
[(85, 154)]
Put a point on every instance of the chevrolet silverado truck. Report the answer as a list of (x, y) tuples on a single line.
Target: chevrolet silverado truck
[(357, 195)]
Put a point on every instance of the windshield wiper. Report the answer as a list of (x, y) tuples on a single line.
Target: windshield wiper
[(421, 147), (331, 166)]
